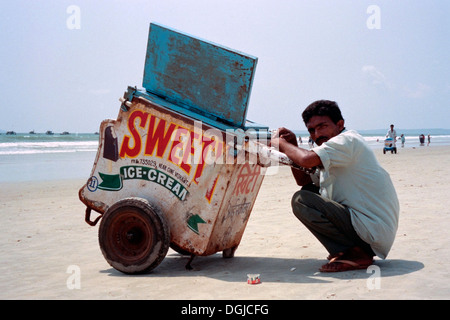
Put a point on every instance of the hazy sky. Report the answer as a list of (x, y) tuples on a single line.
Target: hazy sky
[(383, 61)]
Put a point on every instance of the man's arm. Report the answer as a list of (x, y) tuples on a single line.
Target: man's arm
[(301, 177)]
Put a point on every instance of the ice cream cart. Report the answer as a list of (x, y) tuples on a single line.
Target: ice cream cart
[(389, 145), (176, 169)]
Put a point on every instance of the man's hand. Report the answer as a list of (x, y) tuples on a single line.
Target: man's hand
[(286, 141), (283, 136)]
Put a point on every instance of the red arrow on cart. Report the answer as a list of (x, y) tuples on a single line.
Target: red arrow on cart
[(193, 222)]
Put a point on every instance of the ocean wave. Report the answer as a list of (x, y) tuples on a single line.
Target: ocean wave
[(23, 152), (17, 148)]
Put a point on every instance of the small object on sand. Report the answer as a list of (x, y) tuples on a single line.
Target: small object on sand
[(253, 278)]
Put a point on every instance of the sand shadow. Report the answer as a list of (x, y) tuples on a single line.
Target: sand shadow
[(386, 268), (271, 269)]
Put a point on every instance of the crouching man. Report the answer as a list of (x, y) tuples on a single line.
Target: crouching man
[(355, 212)]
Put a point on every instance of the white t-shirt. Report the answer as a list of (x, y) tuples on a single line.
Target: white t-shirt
[(352, 176), (391, 134)]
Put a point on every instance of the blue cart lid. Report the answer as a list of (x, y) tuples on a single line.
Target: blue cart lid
[(198, 75)]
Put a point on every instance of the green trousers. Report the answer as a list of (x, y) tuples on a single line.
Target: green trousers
[(329, 221)]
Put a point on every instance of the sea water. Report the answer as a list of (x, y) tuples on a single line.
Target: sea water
[(42, 157)]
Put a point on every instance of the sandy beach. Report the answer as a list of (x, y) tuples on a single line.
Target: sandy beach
[(44, 241)]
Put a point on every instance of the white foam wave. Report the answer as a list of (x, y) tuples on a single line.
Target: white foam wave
[(15, 148)]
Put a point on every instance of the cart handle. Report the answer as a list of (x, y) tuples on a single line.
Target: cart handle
[(87, 217), (269, 156)]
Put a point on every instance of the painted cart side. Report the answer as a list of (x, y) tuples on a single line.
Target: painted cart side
[(149, 152), (169, 170)]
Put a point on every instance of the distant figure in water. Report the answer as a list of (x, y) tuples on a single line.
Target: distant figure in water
[(422, 139)]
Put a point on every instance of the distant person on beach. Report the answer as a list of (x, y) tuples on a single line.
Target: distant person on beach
[(422, 139), (429, 140), (402, 139), (310, 142), (392, 133), (355, 213)]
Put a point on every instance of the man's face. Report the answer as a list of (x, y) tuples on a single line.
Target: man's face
[(322, 128)]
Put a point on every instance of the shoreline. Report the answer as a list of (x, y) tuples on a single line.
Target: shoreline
[(43, 235), (78, 165)]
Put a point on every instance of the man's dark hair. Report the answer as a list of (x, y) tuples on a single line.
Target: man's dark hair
[(322, 108)]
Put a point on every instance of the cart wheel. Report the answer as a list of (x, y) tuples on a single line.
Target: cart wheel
[(133, 236), (229, 253), (384, 151)]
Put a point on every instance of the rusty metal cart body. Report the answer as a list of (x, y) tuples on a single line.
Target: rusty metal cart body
[(173, 169)]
